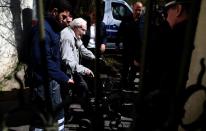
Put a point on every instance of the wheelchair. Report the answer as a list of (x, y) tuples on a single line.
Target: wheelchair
[(108, 104)]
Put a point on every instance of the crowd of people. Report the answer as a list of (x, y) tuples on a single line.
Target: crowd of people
[(55, 62)]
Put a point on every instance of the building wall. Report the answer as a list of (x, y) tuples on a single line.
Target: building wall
[(10, 35), (194, 107), (200, 47)]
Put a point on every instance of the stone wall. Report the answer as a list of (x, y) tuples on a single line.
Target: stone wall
[(11, 28)]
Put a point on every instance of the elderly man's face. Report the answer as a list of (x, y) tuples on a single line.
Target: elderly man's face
[(80, 31)]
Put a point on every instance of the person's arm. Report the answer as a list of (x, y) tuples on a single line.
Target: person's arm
[(68, 57), (84, 51), (120, 34), (103, 37), (53, 63)]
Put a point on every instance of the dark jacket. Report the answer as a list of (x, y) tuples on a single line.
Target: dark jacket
[(165, 53), (164, 57), (130, 34), (45, 57)]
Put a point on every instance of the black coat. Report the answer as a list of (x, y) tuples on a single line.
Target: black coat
[(164, 57), (130, 34)]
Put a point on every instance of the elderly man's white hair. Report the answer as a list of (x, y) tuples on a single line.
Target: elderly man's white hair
[(78, 22)]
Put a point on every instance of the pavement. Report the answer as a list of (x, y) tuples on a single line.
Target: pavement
[(16, 112)]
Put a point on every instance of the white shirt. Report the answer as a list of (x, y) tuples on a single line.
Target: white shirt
[(91, 43)]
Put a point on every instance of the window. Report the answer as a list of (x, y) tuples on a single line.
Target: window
[(119, 11)]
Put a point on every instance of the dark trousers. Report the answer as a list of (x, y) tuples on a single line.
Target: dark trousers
[(81, 88), (129, 70)]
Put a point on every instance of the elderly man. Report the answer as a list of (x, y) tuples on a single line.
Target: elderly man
[(72, 49)]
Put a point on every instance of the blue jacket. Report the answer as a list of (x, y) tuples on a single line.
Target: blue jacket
[(45, 57)]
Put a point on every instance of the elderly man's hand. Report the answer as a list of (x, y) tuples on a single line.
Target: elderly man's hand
[(89, 73), (70, 81)]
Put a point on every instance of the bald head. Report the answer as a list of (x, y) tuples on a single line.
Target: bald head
[(137, 8), (138, 3)]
